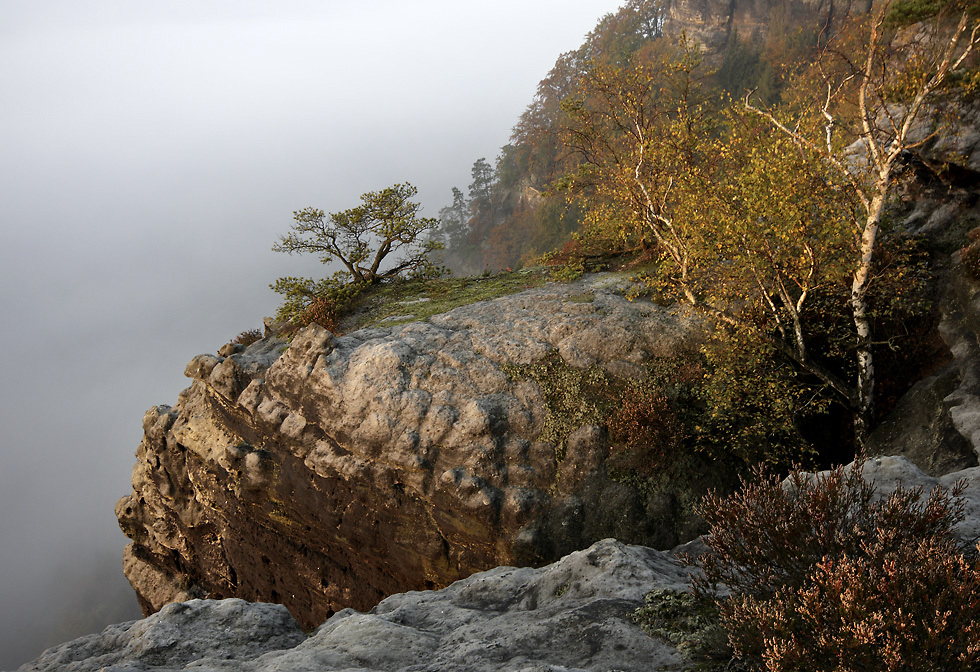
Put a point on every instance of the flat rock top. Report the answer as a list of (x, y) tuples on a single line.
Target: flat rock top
[(572, 615), (588, 321)]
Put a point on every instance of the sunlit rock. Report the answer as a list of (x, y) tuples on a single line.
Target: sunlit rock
[(331, 472)]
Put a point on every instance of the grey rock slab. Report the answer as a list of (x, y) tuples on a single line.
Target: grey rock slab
[(571, 615), (177, 636)]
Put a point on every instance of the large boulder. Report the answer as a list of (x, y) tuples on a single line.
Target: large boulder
[(573, 615), (332, 472)]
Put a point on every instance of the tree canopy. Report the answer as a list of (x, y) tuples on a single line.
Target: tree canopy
[(386, 224), (767, 219)]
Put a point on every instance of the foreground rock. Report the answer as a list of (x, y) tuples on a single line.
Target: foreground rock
[(572, 615), (337, 471)]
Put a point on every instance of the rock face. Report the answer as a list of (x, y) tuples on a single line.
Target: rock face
[(936, 424), (337, 471), (709, 22), (570, 616)]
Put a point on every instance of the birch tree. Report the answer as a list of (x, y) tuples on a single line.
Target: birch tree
[(872, 100)]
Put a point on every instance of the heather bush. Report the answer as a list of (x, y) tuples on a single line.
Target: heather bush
[(825, 574), (248, 337)]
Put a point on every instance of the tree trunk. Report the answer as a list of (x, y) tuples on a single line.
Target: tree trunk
[(865, 384)]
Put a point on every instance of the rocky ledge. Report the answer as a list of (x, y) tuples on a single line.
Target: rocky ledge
[(572, 615), (332, 472)]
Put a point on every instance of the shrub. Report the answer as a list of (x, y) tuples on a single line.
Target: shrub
[(583, 253), (323, 310), (321, 301), (646, 430), (246, 338), (826, 575)]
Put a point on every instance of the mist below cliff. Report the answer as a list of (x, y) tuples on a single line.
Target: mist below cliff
[(151, 157)]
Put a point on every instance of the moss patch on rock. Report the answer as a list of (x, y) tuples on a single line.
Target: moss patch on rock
[(690, 623), (575, 397), (413, 300)]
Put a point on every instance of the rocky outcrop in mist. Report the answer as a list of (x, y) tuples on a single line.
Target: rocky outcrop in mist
[(333, 472), (572, 615)]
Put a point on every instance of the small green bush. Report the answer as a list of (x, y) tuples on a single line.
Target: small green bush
[(309, 301), (826, 575)]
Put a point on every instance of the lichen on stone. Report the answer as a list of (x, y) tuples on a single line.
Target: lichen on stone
[(690, 623)]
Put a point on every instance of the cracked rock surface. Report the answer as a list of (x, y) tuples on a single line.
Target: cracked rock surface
[(332, 472)]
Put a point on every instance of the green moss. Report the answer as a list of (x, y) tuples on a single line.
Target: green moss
[(690, 623), (574, 397), (588, 297), (568, 272), (404, 301)]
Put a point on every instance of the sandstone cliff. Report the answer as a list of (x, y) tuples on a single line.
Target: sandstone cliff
[(709, 22), (332, 472)]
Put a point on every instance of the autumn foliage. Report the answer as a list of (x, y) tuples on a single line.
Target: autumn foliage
[(826, 573), (645, 429)]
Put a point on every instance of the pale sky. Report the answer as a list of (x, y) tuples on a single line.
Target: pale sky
[(150, 154)]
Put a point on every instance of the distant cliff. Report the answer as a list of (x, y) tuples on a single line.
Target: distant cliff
[(710, 22)]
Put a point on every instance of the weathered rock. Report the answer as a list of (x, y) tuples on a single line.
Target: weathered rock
[(937, 423), (573, 615), (348, 469), (183, 632), (921, 427), (709, 22)]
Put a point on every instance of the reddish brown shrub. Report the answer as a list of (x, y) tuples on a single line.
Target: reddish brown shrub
[(246, 338), (825, 575), (570, 252), (324, 311), (645, 429)]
